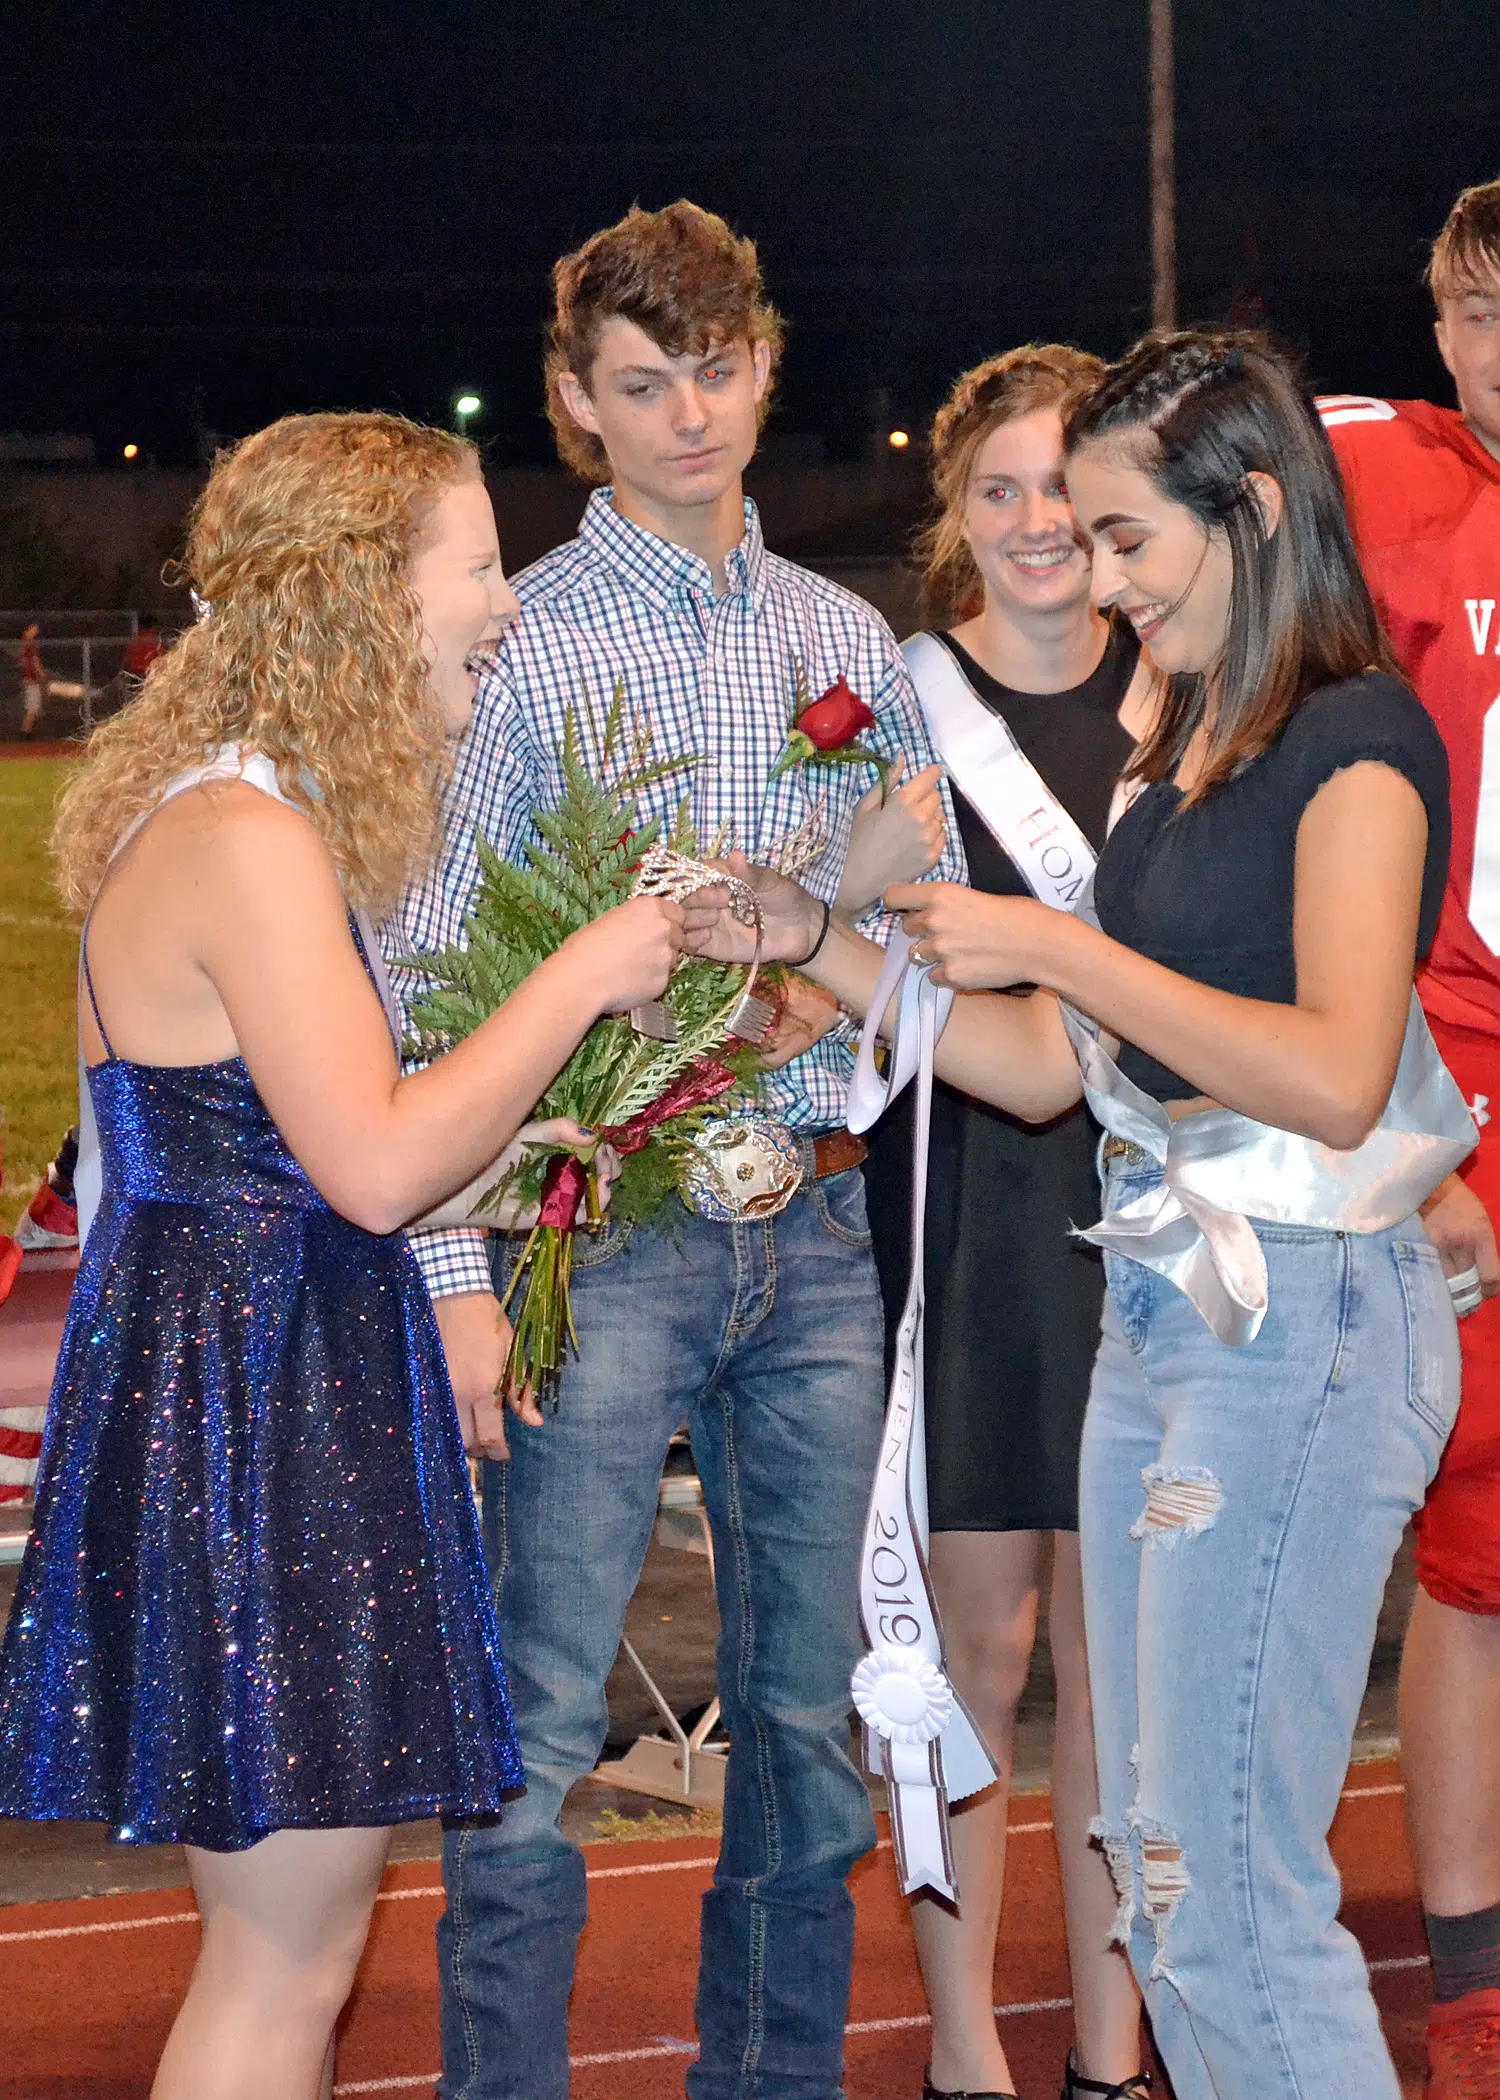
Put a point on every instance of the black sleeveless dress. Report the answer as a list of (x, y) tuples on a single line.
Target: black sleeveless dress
[(1013, 1303)]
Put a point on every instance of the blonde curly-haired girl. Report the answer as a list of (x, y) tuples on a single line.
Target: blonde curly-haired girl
[(254, 1616)]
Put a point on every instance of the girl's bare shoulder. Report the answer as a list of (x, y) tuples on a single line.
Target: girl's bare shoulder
[(226, 841)]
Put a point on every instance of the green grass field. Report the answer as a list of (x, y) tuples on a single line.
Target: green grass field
[(38, 962)]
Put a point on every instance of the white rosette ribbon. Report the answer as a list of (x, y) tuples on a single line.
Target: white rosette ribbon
[(902, 1696), (919, 1735)]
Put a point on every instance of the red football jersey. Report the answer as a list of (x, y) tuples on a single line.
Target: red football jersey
[(1424, 499)]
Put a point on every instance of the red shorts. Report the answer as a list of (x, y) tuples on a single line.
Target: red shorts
[(1458, 1532)]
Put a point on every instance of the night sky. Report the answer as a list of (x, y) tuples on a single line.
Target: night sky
[(212, 214)]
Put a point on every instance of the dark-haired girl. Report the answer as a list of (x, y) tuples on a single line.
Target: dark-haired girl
[(1278, 1368)]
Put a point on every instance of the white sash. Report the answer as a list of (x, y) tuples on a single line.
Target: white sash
[(918, 1733), (1019, 810), (228, 763)]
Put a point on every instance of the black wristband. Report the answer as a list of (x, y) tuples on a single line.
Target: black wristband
[(817, 944)]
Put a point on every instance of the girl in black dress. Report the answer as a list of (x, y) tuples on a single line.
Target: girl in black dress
[(1013, 1303)]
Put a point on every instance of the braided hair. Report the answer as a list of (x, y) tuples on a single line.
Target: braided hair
[(1200, 411)]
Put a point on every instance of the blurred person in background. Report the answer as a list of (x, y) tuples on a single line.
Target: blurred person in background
[(33, 679), (143, 648)]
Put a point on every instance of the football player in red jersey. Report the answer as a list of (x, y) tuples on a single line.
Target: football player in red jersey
[(1424, 494)]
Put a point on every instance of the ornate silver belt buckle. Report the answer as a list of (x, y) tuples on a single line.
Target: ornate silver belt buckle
[(742, 1167)]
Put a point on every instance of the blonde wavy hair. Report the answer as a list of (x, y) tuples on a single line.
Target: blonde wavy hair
[(1001, 390), (311, 653)]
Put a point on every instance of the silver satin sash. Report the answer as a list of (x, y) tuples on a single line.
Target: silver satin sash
[(1221, 1169), (918, 1734), (227, 763), (1018, 808)]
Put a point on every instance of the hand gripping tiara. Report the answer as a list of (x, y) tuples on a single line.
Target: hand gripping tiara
[(677, 877)]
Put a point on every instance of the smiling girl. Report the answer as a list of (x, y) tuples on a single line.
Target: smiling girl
[(1278, 1368), (253, 1617), (1013, 1304)]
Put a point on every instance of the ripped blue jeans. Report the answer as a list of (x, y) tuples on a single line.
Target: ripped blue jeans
[(1239, 1513)]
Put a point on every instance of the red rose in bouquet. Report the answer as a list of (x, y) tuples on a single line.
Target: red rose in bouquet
[(824, 731)]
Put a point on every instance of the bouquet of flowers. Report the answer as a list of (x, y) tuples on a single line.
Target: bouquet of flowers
[(643, 1094)]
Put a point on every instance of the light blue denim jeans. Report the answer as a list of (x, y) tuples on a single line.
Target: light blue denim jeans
[(766, 1339), (1240, 1510)]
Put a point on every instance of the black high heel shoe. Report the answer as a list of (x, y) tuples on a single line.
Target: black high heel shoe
[(938, 2092), (1075, 2085)]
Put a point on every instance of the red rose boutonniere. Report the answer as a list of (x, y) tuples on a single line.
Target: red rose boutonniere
[(824, 731)]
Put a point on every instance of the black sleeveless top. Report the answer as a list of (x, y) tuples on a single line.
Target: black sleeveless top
[(1012, 1301), (1209, 890)]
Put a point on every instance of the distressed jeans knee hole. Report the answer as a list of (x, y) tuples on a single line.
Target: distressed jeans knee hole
[(1115, 1845), (1181, 1503)]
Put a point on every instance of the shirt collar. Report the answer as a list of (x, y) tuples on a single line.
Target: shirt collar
[(665, 573)]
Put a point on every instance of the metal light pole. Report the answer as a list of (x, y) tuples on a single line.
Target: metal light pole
[(1163, 170)]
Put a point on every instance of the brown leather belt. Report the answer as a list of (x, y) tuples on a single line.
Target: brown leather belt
[(835, 1152)]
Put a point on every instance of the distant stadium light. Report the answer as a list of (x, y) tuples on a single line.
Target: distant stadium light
[(132, 451), (899, 440)]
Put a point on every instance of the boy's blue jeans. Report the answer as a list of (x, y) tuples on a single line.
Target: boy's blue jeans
[(766, 1340)]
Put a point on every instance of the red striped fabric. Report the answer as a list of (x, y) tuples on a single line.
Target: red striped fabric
[(20, 1448)]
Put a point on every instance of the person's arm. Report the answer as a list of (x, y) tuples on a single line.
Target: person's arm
[(274, 942), (901, 732), (900, 839), (1011, 1051), (1322, 1067)]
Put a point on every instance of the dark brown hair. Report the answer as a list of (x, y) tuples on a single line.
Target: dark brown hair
[(682, 276), (1200, 412), (1466, 254), (1001, 390)]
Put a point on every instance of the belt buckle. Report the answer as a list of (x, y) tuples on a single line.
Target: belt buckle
[(1133, 1155), (742, 1167)]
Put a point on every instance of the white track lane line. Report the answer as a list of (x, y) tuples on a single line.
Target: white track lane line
[(430, 1889), (664, 2049)]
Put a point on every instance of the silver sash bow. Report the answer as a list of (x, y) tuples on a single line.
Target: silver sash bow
[(918, 1733), (1221, 1169)]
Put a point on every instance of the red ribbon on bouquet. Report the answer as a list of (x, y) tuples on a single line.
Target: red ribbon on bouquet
[(565, 1182)]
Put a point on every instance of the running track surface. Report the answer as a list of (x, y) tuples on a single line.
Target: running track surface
[(90, 1987)]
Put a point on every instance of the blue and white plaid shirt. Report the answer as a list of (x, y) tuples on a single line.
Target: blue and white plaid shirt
[(713, 676)]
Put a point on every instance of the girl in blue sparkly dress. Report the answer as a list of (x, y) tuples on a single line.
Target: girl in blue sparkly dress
[(253, 1617)]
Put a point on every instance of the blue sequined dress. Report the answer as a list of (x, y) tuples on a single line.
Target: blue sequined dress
[(254, 1598)]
